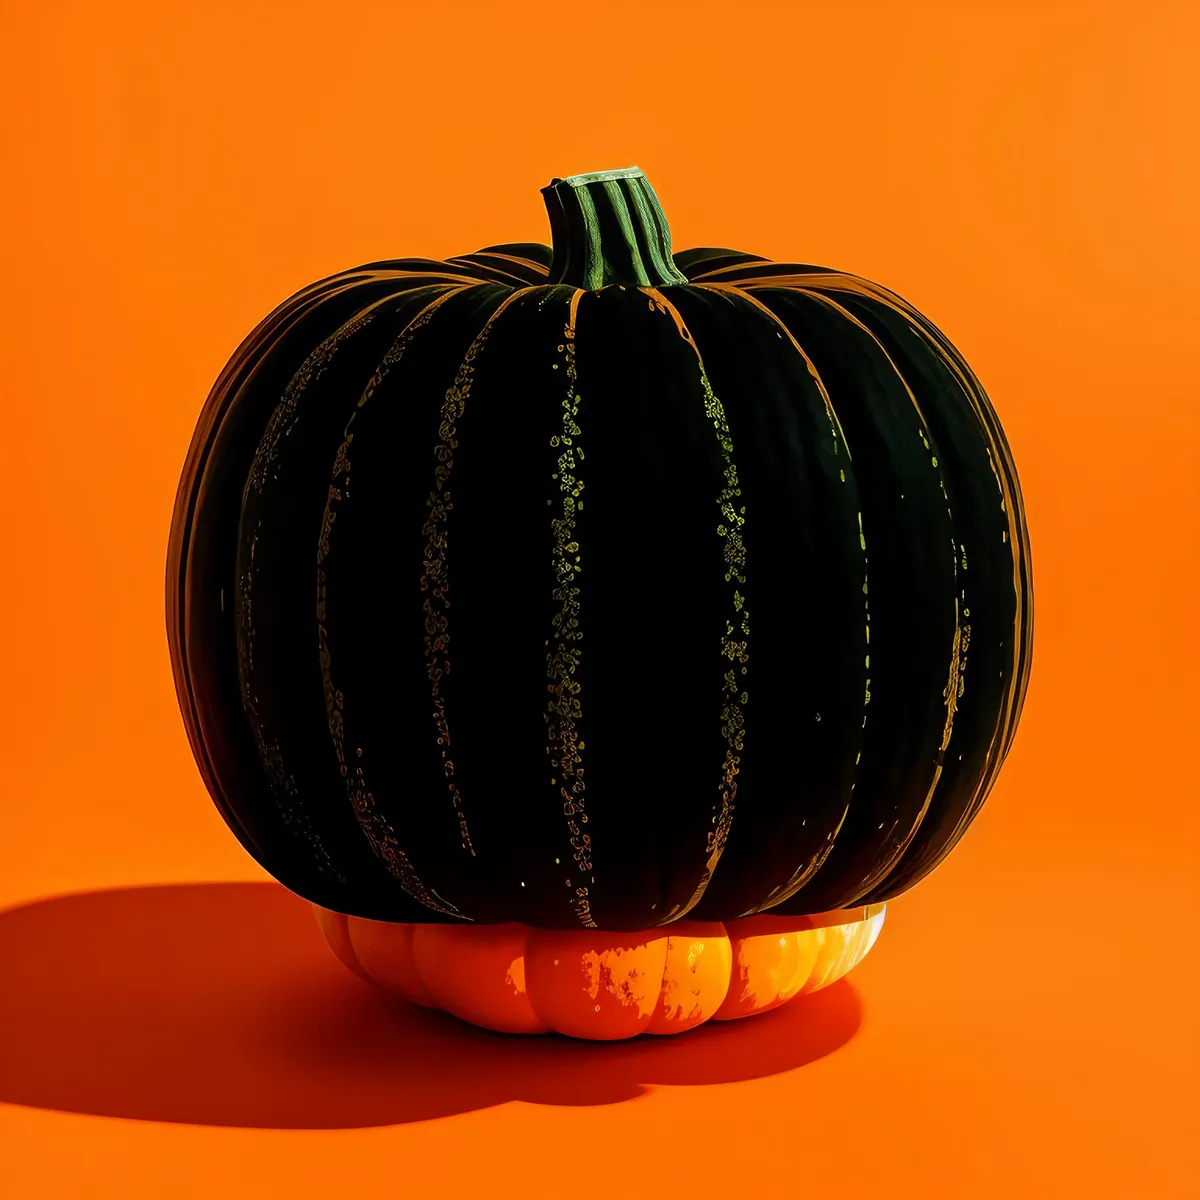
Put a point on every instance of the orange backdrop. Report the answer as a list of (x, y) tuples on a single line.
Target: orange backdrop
[(1023, 172)]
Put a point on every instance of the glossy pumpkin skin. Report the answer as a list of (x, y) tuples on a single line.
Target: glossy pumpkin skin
[(501, 599), (599, 984)]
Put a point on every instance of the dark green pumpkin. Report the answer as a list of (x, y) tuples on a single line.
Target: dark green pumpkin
[(598, 585)]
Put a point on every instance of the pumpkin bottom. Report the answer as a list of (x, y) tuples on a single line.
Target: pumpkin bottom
[(601, 985)]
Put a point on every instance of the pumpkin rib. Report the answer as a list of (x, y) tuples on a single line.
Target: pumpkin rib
[(809, 502), (280, 424), (741, 275), (379, 832), (1015, 506), (665, 1022), (493, 273), (591, 984), (496, 696), (413, 270), (211, 636), (952, 684), (240, 368), (536, 255), (337, 352), (808, 869), (902, 628), (835, 424), (772, 960), (348, 739), (304, 709), (882, 869), (532, 272), (653, 535), (732, 718), (564, 746), (907, 336), (240, 365), (436, 569), (807, 499), (1005, 473), (885, 868), (689, 260)]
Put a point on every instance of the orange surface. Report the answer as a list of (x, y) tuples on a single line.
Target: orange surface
[(1025, 173), (601, 985), (696, 976), (478, 973), (771, 963)]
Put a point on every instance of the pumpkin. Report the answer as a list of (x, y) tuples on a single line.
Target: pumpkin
[(599, 985), (595, 590)]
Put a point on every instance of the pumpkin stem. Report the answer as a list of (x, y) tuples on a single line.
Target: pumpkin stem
[(608, 227)]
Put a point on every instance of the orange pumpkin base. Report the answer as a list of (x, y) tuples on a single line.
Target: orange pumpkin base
[(600, 985)]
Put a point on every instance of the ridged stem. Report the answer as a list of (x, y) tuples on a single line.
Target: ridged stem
[(608, 228)]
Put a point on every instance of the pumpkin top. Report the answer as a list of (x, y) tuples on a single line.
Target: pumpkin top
[(608, 228)]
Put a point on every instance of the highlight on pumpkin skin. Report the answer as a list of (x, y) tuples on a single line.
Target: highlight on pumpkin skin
[(593, 984), (695, 977), (605, 986), (843, 947), (771, 963)]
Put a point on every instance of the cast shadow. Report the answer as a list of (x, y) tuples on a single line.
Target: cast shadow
[(219, 1004)]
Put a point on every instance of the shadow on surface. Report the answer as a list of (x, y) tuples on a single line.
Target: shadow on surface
[(219, 1004)]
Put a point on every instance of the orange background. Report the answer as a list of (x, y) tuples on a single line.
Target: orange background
[(1023, 173)]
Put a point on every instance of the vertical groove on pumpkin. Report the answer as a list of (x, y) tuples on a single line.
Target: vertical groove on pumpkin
[(834, 424), (435, 578), (242, 363), (962, 633), (285, 791), (1022, 624), (1006, 479), (564, 709), (379, 832), (1005, 475), (287, 795), (735, 650), (806, 870), (1013, 507)]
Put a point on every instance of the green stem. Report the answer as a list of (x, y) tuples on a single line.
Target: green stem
[(608, 227)]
